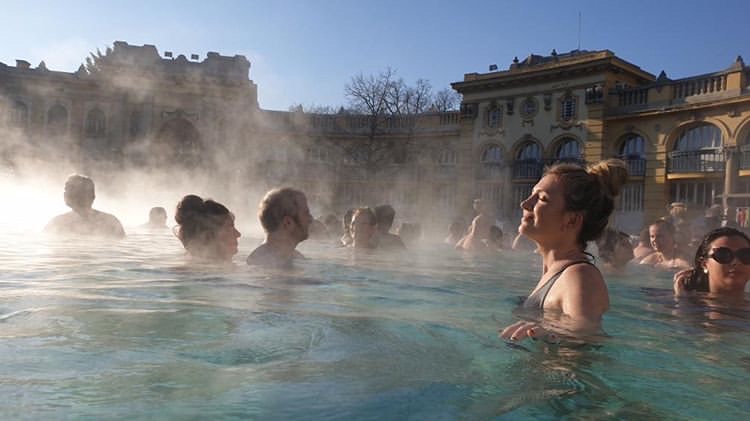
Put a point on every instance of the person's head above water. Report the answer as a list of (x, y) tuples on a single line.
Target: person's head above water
[(206, 228), (384, 215), (286, 219), (722, 264), (157, 217), (662, 236), (363, 228), (573, 201), (615, 248), (285, 210), (79, 192), (83, 219)]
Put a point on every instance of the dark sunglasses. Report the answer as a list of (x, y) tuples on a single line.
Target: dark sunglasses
[(725, 255)]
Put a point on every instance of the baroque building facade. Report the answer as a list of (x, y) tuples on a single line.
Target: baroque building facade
[(684, 140)]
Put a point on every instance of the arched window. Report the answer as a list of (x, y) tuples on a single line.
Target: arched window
[(528, 161), (493, 154), (95, 123), (492, 161), (57, 120), (529, 151), (632, 146), (632, 151), (697, 149), (703, 137), (568, 150), (19, 114)]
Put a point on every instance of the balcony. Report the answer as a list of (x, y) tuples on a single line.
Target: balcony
[(701, 161)]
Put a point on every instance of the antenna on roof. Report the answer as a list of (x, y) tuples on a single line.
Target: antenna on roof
[(579, 30)]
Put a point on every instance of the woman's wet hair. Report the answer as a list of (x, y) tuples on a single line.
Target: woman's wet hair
[(199, 220), (697, 280), (592, 191)]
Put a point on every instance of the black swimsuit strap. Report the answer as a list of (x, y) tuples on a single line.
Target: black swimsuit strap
[(558, 274), (537, 298)]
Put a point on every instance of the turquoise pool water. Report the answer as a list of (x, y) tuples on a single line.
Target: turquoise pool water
[(126, 330)]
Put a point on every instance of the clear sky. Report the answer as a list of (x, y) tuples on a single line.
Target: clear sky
[(304, 52)]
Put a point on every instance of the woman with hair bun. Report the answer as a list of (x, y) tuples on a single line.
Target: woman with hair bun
[(206, 229), (567, 208)]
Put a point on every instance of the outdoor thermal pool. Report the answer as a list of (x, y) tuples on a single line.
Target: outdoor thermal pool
[(126, 330)]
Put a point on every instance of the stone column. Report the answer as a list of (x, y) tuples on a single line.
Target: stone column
[(730, 182)]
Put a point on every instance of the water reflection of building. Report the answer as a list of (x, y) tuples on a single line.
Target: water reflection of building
[(685, 139)]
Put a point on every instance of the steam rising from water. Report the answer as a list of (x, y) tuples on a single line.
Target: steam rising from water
[(32, 200)]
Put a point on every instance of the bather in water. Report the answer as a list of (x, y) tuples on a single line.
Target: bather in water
[(567, 208), (83, 219), (721, 267), (206, 230), (285, 217)]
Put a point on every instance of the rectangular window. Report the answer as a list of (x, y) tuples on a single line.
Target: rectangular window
[(494, 117), (567, 108), (699, 194), (631, 198)]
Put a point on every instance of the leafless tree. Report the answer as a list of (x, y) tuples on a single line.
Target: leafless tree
[(446, 100), (379, 105)]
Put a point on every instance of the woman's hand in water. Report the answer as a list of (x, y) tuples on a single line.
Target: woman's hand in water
[(521, 330), (680, 281)]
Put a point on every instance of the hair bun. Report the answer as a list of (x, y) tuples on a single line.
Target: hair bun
[(188, 207), (612, 175)]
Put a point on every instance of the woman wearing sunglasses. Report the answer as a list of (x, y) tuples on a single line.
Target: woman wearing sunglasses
[(721, 268)]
